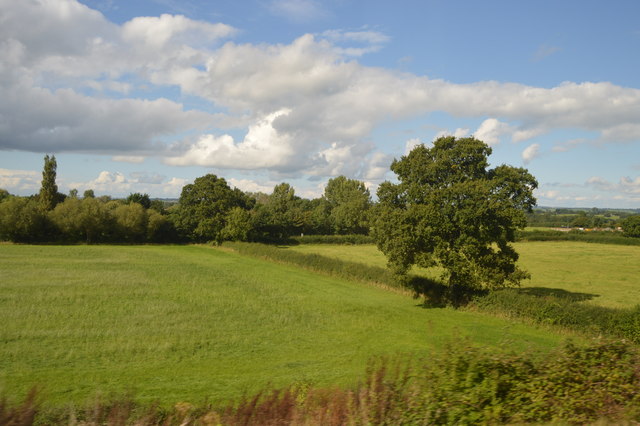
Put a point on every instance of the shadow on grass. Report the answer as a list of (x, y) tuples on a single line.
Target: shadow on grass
[(435, 294), (557, 292)]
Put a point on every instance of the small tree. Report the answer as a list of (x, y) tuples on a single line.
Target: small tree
[(450, 210)]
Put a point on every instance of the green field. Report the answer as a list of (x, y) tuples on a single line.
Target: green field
[(185, 323), (603, 274)]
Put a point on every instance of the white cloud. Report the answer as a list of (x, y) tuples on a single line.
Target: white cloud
[(490, 131), (19, 181), (248, 185), (119, 185), (157, 32), (410, 144), (626, 185), (355, 43), (377, 167), (530, 152), (262, 147), (333, 103), (135, 159), (458, 133), (569, 145)]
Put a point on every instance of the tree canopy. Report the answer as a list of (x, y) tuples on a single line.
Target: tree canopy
[(349, 202), (48, 195), (450, 210), (204, 206), (631, 226)]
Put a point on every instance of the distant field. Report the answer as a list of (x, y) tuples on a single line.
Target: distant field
[(607, 275), (182, 323)]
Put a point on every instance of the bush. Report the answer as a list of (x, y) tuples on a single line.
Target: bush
[(562, 311)]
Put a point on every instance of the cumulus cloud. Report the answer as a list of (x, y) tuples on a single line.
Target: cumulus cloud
[(626, 185), (135, 159), (262, 147), (332, 102), (20, 180), (530, 152), (118, 184), (249, 185), (410, 144), (458, 133), (490, 131)]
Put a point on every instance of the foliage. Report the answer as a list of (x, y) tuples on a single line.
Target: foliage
[(86, 220), (238, 225), (132, 221), (354, 239), (4, 194), (204, 206), (449, 210), (89, 194), (48, 196), (349, 202), (22, 220), (601, 237), (549, 307), (631, 226), (142, 199)]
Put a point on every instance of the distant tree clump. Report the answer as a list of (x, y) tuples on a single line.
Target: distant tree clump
[(631, 226), (450, 210), (349, 202), (204, 206), (142, 199)]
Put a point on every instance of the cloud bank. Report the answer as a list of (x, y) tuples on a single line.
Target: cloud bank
[(72, 81)]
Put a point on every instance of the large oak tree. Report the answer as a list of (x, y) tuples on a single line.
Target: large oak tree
[(451, 210)]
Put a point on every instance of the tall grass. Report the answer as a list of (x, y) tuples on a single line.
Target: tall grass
[(465, 384)]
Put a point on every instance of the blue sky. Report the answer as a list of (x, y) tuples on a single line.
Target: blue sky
[(147, 95)]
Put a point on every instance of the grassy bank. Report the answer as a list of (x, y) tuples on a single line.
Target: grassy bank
[(185, 323)]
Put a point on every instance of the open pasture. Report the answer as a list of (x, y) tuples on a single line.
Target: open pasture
[(603, 274), (185, 323)]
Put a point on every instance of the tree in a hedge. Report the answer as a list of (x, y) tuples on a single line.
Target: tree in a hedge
[(204, 206), (450, 210), (349, 203)]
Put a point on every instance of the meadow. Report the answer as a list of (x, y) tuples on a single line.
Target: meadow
[(189, 323), (601, 274)]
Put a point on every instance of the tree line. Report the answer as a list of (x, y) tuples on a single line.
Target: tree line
[(447, 210), (208, 210)]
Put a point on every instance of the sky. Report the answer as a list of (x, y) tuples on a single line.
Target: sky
[(147, 95)]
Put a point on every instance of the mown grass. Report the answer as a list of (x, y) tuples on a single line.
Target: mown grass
[(601, 274), (185, 323)]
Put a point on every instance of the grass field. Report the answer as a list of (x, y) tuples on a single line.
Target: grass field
[(603, 274), (185, 323)]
